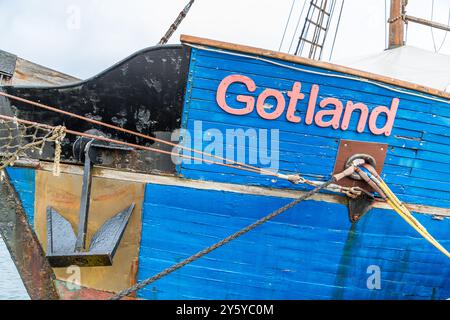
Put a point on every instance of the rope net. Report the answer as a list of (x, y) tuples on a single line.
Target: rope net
[(19, 140)]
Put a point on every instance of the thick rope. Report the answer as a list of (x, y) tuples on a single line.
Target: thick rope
[(221, 243), (60, 133)]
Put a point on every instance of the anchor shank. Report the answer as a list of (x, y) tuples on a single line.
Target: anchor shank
[(84, 204)]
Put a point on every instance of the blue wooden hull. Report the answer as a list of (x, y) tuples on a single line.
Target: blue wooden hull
[(417, 165), (312, 251)]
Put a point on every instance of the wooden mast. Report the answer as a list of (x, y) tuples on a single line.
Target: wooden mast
[(399, 18), (397, 24)]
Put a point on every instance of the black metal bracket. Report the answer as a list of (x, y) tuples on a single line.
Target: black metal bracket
[(63, 247)]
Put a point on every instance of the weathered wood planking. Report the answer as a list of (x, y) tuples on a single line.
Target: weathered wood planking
[(311, 252), (308, 62), (419, 144)]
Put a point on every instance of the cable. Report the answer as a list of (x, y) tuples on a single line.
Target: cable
[(432, 31), (293, 178), (337, 30), (174, 26), (296, 27), (287, 24), (330, 18), (304, 27), (446, 32), (431, 28)]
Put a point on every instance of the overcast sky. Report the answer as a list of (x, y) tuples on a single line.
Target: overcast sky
[(83, 37)]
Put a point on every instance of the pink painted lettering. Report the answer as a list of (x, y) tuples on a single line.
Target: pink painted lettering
[(331, 114), (248, 100)]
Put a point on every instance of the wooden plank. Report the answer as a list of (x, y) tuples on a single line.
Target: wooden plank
[(314, 63), (322, 256), (219, 186), (108, 197), (428, 23)]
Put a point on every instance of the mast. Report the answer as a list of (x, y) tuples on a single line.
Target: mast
[(399, 18), (397, 23), (176, 24)]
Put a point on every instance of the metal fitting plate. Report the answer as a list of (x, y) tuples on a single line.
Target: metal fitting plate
[(348, 148)]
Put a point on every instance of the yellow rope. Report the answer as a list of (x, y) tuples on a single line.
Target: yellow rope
[(400, 208), (403, 211)]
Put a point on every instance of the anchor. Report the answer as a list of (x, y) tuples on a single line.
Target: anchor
[(64, 248)]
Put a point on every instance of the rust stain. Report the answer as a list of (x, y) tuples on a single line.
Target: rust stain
[(24, 247), (108, 198), (134, 271), (112, 195)]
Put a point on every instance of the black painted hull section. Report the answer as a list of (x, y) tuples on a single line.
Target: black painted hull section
[(142, 93)]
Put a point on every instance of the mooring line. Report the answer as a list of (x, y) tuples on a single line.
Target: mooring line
[(221, 243)]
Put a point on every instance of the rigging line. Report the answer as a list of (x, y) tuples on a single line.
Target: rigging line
[(353, 78), (287, 24), (304, 26), (298, 24), (330, 18), (141, 135), (133, 145), (436, 50), (431, 28), (446, 32), (337, 30), (407, 32), (317, 29)]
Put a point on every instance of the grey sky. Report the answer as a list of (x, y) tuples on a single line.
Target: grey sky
[(49, 32)]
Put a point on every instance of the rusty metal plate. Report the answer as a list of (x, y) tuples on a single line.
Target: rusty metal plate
[(348, 148)]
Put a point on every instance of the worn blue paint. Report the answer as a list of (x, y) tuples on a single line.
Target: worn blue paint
[(310, 252), (23, 181), (417, 165)]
